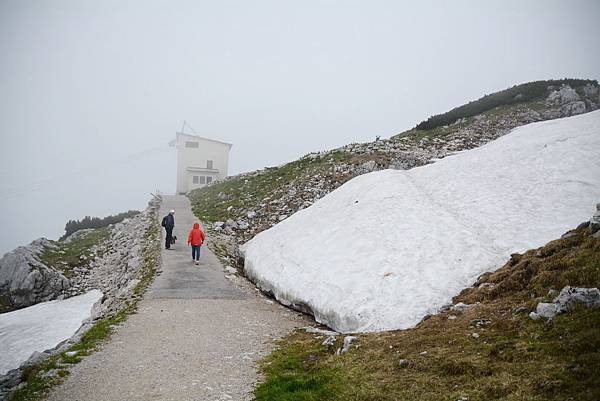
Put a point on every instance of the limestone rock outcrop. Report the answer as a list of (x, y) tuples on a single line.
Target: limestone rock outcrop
[(25, 280)]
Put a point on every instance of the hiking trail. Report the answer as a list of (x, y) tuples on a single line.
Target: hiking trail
[(196, 335)]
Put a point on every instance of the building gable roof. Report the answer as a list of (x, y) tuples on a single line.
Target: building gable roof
[(179, 134)]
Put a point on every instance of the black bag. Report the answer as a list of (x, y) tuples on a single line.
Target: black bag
[(164, 221)]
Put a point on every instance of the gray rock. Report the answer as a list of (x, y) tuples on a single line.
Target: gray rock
[(348, 340), (11, 379), (25, 280), (595, 220), (546, 310), (563, 96), (566, 300), (368, 166), (572, 109), (590, 90), (460, 307), (404, 363), (323, 332), (36, 358), (570, 296), (570, 234), (329, 341), (242, 225)]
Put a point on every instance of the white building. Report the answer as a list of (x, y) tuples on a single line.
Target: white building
[(200, 161)]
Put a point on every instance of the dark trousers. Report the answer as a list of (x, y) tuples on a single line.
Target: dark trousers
[(168, 237), (196, 252)]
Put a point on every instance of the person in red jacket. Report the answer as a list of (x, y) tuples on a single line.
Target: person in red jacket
[(195, 239)]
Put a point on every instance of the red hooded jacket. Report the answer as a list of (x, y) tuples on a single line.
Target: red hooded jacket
[(196, 236)]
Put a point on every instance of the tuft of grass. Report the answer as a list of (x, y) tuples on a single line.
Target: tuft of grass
[(39, 379), (513, 358), (294, 374)]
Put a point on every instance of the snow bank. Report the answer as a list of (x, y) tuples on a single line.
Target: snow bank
[(41, 327), (389, 247)]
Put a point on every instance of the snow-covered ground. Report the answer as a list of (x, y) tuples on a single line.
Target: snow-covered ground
[(389, 247), (41, 327)]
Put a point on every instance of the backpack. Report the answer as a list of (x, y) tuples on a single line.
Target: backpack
[(164, 221)]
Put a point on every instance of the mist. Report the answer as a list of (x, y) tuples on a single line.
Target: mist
[(92, 92)]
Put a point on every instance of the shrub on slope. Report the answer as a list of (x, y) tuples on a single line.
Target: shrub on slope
[(96, 222), (518, 94)]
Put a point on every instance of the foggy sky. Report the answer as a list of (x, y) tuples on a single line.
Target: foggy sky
[(92, 91)]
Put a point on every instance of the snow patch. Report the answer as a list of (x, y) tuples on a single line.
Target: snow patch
[(390, 247), (41, 327)]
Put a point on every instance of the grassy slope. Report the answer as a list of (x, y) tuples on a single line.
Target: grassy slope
[(514, 357), (66, 256), (38, 381)]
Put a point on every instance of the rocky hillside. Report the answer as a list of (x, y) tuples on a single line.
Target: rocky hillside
[(491, 343), (244, 205), (105, 258), (120, 260)]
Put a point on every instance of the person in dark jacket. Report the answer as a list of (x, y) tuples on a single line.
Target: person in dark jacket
[(168, 222)]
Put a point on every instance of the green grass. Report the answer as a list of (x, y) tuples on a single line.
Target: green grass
[(514, 358), (294, 374), (66, 256), (37, 381)]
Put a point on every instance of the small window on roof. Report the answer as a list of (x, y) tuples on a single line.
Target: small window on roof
[(190, 144)]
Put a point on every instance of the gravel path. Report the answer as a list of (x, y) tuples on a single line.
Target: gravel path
[(197, 335)]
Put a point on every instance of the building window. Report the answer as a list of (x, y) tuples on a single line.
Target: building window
[(191, 144), (195, 179), (208, 180), (202, 179), (209, 164)]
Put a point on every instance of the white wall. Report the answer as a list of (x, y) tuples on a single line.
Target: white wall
[(196, 158)]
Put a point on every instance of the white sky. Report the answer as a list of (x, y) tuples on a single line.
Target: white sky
[(92, 91)]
